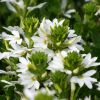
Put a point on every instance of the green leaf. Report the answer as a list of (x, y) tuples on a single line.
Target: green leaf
[(90, 8), (42, 96)]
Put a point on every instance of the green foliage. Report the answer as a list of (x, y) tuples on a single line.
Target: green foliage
[(90, 8), (60, 83), (42, 96)]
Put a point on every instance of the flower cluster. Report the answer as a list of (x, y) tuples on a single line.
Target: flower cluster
[(49, 64)]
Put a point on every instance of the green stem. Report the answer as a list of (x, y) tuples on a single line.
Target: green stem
[(72, 91), (75, 96)]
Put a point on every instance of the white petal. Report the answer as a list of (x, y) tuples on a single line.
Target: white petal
[(6, 82), (19, 41), (95, 64), (36, 85), (71, 33), (87, 60), (23, 60), (81, 82), (88, 83), (15, 33), (92, 79), (89, 73), (2, 71)]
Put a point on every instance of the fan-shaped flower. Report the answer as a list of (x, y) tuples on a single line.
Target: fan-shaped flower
[(90, 62), (29, 80), (85, 79)]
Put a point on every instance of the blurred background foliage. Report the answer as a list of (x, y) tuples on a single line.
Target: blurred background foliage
[(83, 20)]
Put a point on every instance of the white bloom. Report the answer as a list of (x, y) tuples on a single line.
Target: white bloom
[(18, 50), (98, 84), (28, 80), (56, 64), (85, 79), (14, 38), (23, 65), (40, 42), (30, 93), (89, 62), (44, 30), (73, 42), (20, 4), (15, 28), (7, 55), (45, 26)]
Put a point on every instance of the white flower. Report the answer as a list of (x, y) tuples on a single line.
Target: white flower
[(7, 55), (30, 93), (16, 51), (56, 64), (73, 41), (14, 38), (19, 3), (15, 28), (89, 62), (28, 80), (45, 26), (40, 42), (19, 50), (98, 84), (23, 65), (44, 30), (84, 79)]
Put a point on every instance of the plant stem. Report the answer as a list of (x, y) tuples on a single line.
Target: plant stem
[(72, 91), (76, 93)]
